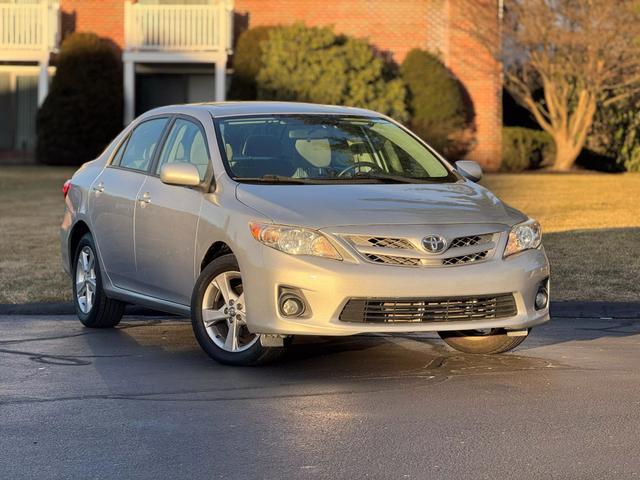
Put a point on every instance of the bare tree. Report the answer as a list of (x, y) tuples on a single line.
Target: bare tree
[(564, 59)]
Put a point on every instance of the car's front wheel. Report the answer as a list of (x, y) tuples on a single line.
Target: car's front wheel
[(482, 341), (218, 316), (93, 307)]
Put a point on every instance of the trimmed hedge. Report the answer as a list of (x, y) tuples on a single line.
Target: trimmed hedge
[(525, 148), (311, 64), (436, 104), (247, 62), (83, 111)]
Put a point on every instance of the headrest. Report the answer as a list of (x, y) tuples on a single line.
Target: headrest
[(317, 152), (262, 146)]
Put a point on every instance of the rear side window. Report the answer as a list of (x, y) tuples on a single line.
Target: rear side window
[(140, 147)]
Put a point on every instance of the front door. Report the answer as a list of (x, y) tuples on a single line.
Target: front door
[(166, 219), (113, 198)]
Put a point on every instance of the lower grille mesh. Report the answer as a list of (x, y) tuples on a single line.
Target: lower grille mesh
[(392, 260), (472, 257), (429, 309)]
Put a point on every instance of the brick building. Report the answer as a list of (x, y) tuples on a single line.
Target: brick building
[(177, 50)]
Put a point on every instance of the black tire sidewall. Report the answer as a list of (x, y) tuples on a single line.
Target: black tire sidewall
[(495, 343), (252, 355)]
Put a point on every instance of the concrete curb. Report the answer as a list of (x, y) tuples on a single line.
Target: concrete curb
[(576, 309), (573, 309)]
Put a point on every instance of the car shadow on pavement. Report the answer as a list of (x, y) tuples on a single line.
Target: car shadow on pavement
[(164, 357)]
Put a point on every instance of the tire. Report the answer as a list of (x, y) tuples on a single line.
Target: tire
[(94, 310), (475, 341), (218, 311)]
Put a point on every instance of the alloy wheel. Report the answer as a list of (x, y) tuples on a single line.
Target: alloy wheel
[(224, 313), (85, 279)]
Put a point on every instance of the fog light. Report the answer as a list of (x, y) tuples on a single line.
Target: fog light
[(291, 306), (542, 297)]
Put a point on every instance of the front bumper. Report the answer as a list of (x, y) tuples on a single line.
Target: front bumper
[(327, 285)]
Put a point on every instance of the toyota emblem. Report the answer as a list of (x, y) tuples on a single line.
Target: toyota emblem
[(434, 244)]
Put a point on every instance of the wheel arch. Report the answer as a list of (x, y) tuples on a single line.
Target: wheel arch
[(215, 250), (77, 232)]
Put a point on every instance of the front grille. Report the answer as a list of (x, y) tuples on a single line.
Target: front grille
[(382, 242), (390, 260), (473, 257), (466, 241), (404, 252), (428, 310)]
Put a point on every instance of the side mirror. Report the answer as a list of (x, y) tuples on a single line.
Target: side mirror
[(184, 174), (469, 170)]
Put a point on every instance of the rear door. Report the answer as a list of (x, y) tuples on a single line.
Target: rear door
[(166, 217), (113, 196)]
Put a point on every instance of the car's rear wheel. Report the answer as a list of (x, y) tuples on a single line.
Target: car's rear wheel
[(482, 341), (93, 307), (218, 316)]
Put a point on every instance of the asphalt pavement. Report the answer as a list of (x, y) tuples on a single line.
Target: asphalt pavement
[(142, 401)]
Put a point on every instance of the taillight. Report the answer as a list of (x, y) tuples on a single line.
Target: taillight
[(65, 188)]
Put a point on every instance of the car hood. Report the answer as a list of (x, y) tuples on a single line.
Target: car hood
[(320, 206)]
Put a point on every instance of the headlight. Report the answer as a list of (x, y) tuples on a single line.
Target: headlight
[(294, 240), (523, 236)]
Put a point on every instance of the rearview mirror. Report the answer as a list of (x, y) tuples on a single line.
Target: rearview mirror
[(185, 174), (469, 170)]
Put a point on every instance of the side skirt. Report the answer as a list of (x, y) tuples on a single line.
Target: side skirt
[(147, 301)]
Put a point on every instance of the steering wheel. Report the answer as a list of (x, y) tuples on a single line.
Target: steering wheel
[(357, 165)]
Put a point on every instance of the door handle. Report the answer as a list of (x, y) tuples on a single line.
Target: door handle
[(145, 198), (99, 188)]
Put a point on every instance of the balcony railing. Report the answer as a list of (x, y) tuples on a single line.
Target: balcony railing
[(29, 27), (196, 28)]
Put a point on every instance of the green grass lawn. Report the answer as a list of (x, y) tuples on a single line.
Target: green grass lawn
[(591, 224)]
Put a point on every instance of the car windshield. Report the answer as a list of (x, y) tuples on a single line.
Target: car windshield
[(301, 149)]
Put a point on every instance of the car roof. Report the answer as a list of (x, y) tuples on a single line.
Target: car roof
[(223, 109)]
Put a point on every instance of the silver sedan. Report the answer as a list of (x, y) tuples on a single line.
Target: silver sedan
[(262, 221)]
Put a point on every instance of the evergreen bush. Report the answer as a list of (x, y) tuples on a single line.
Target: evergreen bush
[(84, 108), (436, 103), (525, 148), (310, 64)]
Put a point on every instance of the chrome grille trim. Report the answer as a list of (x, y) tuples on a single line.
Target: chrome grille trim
[(381, 242), (429, 310), (404, 252), (474, 257), (392, 260), (470, 241)]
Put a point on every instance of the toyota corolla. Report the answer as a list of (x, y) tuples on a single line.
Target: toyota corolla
[(262, 221)]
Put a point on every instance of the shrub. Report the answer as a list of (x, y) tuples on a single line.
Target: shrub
[(83, 111), (615, 136), (247, 61), (314, 65), (436, 104), (525, 148)]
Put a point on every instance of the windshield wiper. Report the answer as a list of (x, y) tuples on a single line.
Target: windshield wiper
[(270, 178), (356, 178), (385, 177)]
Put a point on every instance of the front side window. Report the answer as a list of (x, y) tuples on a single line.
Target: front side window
[(185, 143), (325, 148), (141, 145)]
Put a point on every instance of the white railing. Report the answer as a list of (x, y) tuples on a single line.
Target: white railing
[(29, 26), (206, 27)]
